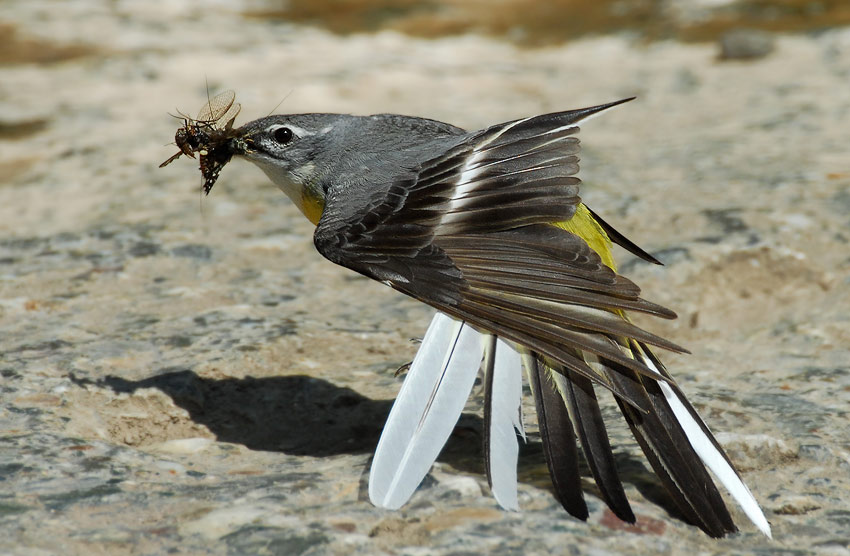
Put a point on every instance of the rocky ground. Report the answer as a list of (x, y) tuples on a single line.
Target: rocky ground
[(185, 375)]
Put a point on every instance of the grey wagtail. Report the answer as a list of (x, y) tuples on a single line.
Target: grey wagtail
[(488, 228)]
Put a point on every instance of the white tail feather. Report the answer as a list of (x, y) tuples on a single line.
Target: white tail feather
[(712, 458), (427, 408), (505, 421)]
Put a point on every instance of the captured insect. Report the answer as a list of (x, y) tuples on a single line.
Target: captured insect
[(208, 135)]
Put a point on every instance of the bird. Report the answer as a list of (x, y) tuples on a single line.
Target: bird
[(488, 228)]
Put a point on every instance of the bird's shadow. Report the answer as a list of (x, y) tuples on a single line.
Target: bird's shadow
[(296, 414), (308, 416)]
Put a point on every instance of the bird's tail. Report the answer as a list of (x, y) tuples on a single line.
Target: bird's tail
[(702, 441), (426, 410), (677, 443)]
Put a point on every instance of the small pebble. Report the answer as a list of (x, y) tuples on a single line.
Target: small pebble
[(745, 44)]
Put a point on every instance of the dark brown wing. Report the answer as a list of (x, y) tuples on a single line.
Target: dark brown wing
[(467, 232)]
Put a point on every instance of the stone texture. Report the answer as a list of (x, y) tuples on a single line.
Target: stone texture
[(745, 44), (185, 374)]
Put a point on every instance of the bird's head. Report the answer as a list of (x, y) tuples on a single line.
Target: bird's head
[(293, 151)]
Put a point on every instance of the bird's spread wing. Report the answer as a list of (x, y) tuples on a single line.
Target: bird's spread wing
[(470, 231)]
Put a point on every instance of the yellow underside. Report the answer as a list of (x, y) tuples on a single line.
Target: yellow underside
[(312, 205), (587, 228)]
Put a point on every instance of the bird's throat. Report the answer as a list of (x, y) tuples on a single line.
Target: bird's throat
[(312, 205)]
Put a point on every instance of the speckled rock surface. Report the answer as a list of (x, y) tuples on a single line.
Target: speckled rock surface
[(186, 375)]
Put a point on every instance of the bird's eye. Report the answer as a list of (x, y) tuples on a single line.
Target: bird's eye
[(282, 135)]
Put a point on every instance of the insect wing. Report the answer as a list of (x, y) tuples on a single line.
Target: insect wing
[(217, 107), (229, 117)]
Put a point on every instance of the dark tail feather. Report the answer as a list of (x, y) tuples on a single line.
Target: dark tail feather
[(559, 441), (594, 442), (706, 446), (663, 370), (671, 456)]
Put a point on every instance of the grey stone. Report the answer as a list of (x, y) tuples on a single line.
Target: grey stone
[(745, 44)]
